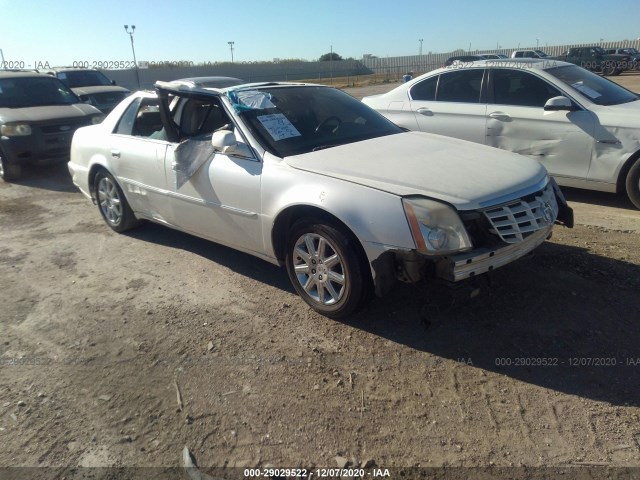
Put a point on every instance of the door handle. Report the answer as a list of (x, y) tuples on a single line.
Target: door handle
[(115, 153), (499, 116), (425, 111)]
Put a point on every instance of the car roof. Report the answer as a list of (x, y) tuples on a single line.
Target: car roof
[(72, 69), (198, 81), (539, 63), (21, 73), (179, 87)]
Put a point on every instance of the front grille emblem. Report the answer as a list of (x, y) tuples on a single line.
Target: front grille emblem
[(65, 128)]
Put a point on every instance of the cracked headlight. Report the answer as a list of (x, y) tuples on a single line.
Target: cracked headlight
[(435, 226), (17, 130)]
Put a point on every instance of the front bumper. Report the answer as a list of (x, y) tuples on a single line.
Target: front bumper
[(483, 260), (37, 149)]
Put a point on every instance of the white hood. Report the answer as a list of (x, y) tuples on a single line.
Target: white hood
[(465, 174)]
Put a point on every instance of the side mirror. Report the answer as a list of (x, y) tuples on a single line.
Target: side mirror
[(556, 104), (113, 82), (225, 141)]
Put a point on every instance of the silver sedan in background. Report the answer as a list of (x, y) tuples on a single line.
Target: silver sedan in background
[(582, 127)]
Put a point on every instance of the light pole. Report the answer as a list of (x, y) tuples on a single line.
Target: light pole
[(135, 62), (537, 43), (231, 47), (420, 40)]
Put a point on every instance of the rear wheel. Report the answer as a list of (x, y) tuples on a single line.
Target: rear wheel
[(112, 203), (609, 69), (633, 184), (326, 268), (9, 171)]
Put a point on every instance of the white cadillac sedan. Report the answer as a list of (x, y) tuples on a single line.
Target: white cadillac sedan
[(308, 177), (583, 128)]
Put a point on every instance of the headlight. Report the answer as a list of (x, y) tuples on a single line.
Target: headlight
[(97, 119), (436, 227), (19, 130)]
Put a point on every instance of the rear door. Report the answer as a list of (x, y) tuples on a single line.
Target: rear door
[(451, 104), (137, 153)]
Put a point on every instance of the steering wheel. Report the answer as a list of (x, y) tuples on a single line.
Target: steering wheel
[(327, 122)]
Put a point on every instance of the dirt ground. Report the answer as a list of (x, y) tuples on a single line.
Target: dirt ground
[(97, 329)]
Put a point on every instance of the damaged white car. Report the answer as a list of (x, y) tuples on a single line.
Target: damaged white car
[(582, 127), (308, 177)]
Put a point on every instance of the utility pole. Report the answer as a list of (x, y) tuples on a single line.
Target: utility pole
[(231, 47), (420, 40), (135, 62)]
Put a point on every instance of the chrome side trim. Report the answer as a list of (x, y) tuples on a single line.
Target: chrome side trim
[(186, 198)]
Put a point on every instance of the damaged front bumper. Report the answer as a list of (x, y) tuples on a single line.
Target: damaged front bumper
[(411, 266), (476, 262)]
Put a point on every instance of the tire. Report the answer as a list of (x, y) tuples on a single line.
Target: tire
[(609, 70), (112, 203), (9, 171), (633, 184), (618, 71), (326, 268)]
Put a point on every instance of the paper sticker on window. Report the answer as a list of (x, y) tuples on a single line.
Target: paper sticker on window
[(278, 126), (255, 99), (588, 91)]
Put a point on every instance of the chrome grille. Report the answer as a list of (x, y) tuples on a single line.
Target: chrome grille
[(515, 221)]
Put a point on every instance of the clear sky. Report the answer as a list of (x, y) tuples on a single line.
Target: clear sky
[(61, 32)]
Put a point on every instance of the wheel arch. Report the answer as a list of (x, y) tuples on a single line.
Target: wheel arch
[(624, 171), (287, 217), (91, 177)]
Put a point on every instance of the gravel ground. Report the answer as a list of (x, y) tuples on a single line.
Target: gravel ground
[(99, 330)]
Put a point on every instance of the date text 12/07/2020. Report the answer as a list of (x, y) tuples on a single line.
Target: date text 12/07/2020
[(318, 472)]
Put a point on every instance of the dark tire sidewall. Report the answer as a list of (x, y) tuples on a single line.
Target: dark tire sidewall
[(632, 184)]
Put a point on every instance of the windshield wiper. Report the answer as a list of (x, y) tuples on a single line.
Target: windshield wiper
[(322, 147)]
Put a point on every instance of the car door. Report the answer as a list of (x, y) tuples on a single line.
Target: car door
[(516, 121), (450, 104), (136, 157), (219, 197)]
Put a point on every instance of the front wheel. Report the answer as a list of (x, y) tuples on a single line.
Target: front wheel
[(9, 171), (609, 70), (113, 205), (326, 268), (633, 184)]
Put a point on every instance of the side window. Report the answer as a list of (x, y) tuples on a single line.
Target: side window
[(518, 87), (125, 125), (425, 90), (460, 86), (142, 119), (201, 117)]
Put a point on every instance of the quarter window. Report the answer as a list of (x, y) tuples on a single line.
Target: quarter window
[(425, 90)]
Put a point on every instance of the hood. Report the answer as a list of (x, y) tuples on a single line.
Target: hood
[(90, 90), (46, 113), (464, 174), (623, 115)]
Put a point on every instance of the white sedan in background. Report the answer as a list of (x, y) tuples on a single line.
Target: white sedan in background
[(585, 129), (308, 177)]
